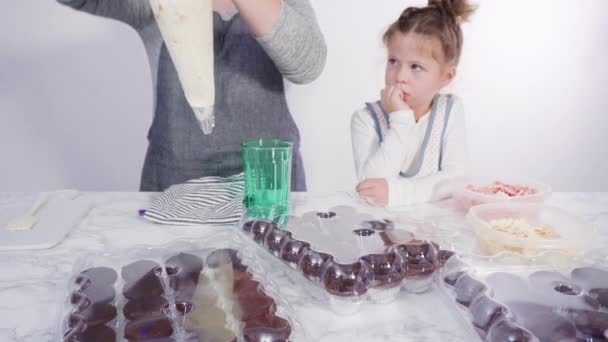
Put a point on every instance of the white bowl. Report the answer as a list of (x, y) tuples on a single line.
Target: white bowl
[(465, 198), (575, 235)]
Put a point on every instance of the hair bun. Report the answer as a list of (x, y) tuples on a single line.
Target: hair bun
[(461, 10)]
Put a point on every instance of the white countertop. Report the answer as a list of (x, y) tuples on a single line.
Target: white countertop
[(32, 283)]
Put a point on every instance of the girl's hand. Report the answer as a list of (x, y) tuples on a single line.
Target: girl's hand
[(393, 99), (374, 190)]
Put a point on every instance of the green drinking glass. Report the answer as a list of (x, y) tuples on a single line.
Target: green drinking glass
[(267, 168)]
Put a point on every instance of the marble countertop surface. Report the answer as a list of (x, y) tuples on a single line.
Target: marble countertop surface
[(33, 283)]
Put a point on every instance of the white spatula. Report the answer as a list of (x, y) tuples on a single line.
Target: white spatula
[(27, 221)]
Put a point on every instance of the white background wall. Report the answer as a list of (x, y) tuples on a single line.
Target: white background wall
[(76, 102)]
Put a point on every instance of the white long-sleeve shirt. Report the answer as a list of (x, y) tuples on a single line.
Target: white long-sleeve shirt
[(399, 150)]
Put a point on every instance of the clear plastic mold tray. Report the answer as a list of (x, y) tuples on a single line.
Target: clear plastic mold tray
[(351, 252), (179, 292), (529, 303)]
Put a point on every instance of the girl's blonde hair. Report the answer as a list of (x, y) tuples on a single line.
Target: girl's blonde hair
[(440, 19)]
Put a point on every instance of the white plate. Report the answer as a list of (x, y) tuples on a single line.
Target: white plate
[(55, 219)]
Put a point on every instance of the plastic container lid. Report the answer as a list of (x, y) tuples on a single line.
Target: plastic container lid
[(562, 231)]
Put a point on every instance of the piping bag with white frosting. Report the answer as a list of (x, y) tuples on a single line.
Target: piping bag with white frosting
[(187, 28)]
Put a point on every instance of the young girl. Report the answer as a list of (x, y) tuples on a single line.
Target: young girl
[(409, 145)]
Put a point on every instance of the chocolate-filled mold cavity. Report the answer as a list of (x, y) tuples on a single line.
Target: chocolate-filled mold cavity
[(138, 270), (600, 295), (451, 278), (256, 311), (254, 303), (247, 226), (444, 256), (260, 229), (420, 261), (145, 307), (93, 315), (346, 279), (257, 229), (100, 333), (96, 276), (312, 263), (274, 240), (145, 287), (245, 285), (141, 279), (176, 294), (506, 330), (98, 294), (266, 329), (384, 269), (468, 288), (543, 322), (149, 328), (182, 271), (592, 324), (184, 263), (72, 329), (81, 304), (292, 251), (486, 311)]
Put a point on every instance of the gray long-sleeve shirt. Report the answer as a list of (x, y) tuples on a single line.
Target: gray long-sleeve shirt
[(250, 101)]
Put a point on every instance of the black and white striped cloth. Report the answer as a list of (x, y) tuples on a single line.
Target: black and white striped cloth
[(207, 200)]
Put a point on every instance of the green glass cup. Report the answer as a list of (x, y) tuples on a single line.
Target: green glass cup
[(267, 168)]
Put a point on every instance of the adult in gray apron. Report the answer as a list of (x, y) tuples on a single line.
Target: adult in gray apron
[(250, 98)]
